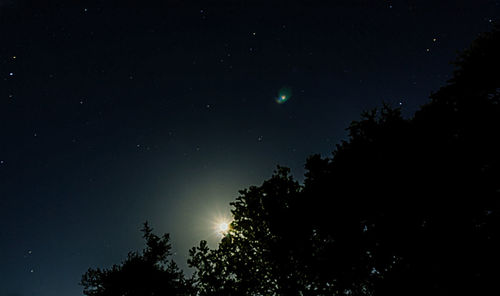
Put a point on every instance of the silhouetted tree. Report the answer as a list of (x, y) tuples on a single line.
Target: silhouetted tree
[(141, 274), (257, 256), (403, 207)]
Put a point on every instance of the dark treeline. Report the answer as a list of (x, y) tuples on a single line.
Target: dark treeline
[(403, 207)]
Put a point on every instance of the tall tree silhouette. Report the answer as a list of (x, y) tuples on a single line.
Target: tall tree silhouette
[(256, 256), (141, 274), (404, 206)]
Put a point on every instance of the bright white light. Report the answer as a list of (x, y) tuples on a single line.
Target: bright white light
[(223, 227)]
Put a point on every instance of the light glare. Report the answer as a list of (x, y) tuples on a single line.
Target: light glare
[(223, 227)]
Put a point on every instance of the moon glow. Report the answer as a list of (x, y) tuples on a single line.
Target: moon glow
[(223, 227)]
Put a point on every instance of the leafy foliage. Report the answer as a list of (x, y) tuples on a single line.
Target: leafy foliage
[(141, 274), (403, 207)]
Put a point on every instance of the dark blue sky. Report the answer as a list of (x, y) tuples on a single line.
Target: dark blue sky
[(113, 115)]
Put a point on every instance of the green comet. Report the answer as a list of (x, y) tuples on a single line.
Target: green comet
[(283, 95)]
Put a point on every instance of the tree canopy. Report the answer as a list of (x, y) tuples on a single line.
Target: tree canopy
[(404, 206), (149, 273)]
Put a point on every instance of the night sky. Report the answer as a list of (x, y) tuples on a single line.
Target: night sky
[(111, 115)]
